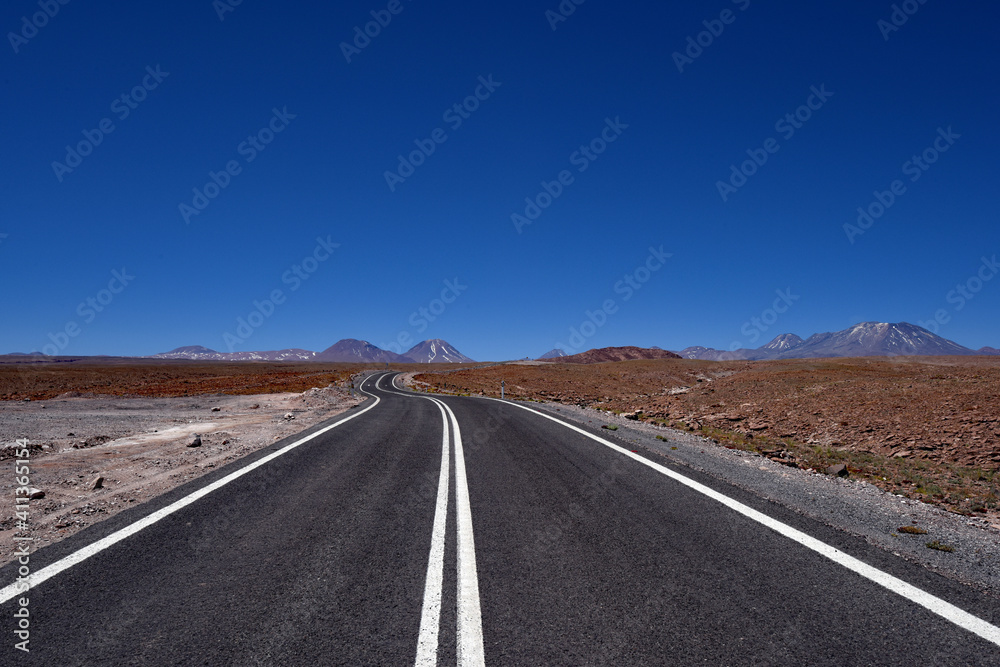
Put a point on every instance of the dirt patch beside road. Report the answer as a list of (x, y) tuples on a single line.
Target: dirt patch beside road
[(140, 448)]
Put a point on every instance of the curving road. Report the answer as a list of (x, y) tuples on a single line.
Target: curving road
[(446, 530)]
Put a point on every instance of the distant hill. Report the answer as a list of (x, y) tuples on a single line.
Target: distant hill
[(553, 354), (987, 350), (436, 351), (867, 339), (606, 354), (360, 351)]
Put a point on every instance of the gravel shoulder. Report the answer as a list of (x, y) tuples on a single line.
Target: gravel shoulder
[(853, 506), (139, 446)]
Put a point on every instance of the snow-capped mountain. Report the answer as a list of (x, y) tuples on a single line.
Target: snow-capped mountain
[(867, 339), (436, 351), (783, 342), (553, 354), (878, 339)]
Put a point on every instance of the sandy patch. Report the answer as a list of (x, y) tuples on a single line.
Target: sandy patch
[(139, 446)]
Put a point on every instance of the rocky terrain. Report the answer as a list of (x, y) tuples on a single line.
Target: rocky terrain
[(927, 428)]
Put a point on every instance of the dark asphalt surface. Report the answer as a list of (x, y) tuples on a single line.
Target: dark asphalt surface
[(585, 557)]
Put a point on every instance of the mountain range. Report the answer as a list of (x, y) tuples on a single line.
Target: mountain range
[(867, 339), (348, 350)]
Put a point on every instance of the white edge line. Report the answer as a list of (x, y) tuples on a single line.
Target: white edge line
[(430, 616), (49, 571), (942, 608)]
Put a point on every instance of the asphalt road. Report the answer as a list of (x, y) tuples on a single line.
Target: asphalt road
[(543, 547)]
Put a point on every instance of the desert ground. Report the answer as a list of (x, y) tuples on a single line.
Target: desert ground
[(131, 424), (927, 428)]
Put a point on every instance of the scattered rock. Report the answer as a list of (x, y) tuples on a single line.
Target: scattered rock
[(35, 494), (288, 416), (98, 483), (196, 442), (840, 470), (216, 409), (95, 441)]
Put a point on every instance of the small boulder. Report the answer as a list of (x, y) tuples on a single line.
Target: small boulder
[(35, 494), (289, 416), (216, 409), (196, 442), (840, 470), (98, 483)]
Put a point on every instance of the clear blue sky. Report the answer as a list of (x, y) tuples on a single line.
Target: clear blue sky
[(323, 176)]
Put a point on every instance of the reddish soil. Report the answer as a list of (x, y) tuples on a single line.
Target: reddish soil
[(929, 425), (162, 379)]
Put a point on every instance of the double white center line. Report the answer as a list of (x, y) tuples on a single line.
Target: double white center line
[(470, 621)]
